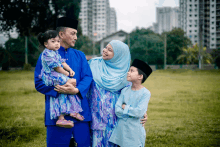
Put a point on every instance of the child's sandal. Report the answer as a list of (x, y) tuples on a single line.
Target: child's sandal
[(77, 116), (64, 123)]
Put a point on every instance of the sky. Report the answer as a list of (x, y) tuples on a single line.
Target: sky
[(141, 13)]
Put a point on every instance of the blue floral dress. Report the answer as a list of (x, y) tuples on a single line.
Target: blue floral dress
[(102, 104), (64, 103)]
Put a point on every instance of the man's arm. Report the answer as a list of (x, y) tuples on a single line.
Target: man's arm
[(39, 84)]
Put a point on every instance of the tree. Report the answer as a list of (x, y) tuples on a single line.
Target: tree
[(146, 45), (33, 16), (190, 55), (175, 42)]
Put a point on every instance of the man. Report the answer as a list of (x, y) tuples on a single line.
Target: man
[(59, 136)]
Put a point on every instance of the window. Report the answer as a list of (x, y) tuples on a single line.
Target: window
[(213, 33), (213, 45), (195, 41), (195, 36), (190, 31), (190, 10), (195, 30), (195, 5), (213, 5), (213, 38), (213, 11), (195, 15), (190, 15), (213, 28), (190, 5), (213, 22), (195, 9), (195, 25), (190, 20), (190, 25)]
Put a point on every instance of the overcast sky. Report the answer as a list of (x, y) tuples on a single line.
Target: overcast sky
[(141, 13)]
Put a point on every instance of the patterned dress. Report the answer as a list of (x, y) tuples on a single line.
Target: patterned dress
[(64, 103), (102, 104)]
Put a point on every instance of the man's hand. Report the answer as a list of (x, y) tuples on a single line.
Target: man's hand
[(144, 120), (66, 89), (72, 73)]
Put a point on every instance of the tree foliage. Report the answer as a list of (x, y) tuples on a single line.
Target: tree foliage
[(176, 40), (30, 17), (146, 45), (190, 55)]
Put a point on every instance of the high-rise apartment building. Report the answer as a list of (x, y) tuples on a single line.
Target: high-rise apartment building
[(167, 19), (201, 13), (97, 19)]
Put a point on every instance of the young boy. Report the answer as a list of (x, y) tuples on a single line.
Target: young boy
[(131, 107)]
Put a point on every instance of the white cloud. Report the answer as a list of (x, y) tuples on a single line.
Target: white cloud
[(169, 3), (132, 13)]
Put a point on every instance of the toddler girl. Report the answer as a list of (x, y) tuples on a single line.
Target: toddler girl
[(55, 72)]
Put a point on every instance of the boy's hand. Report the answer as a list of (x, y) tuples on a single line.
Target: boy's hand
[(72, 73)]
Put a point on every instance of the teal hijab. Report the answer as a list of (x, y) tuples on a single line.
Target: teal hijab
[(112, 74)]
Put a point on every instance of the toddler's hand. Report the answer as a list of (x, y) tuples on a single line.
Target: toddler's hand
[(72, 73), (67, 74)]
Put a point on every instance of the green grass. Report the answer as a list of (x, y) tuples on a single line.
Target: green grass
[(183, 109)]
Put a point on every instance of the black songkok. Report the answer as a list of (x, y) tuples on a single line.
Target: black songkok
[(143, 66), (67, 22)]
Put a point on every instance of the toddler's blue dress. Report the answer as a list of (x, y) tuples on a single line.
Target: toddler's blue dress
[(64, 103)]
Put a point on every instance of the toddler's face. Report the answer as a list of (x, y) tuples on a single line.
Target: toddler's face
[(133, 74), (53, 43), (108, 52)]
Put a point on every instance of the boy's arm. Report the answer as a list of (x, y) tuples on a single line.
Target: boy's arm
[(39, 84), (140, 110), (66, 67), (118, 106)]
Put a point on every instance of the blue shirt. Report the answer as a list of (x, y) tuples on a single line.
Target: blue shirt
[(129, 132), (77, 61)]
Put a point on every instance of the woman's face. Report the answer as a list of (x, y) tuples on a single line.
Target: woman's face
[(108, 52)]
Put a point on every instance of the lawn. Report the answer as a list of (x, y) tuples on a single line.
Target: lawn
[(184, 109)]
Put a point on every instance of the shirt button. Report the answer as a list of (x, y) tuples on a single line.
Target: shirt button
[(66, 59)]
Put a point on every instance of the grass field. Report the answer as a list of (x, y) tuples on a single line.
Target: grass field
[(184, 109)]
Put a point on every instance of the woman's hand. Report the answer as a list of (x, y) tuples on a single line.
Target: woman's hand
[(66, 89), (144, 120)]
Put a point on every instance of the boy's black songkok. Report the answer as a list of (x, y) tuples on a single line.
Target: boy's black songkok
[(143, 66)]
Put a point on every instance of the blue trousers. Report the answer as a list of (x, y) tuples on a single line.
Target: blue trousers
[(60, 137)]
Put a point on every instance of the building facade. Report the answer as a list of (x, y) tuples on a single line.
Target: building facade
[(204, 16), (166, 19), (98, 20)]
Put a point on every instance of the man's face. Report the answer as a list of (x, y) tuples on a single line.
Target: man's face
[(69, 37)]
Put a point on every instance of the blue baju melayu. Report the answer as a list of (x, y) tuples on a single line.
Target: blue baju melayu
[(81, 131), (129, 132)]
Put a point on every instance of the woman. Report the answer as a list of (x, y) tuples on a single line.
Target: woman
[(109, 75)]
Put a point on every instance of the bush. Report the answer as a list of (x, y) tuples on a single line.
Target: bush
[(27, 67)]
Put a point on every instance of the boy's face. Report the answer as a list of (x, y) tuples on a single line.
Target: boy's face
[(53, 43), (133, 74)]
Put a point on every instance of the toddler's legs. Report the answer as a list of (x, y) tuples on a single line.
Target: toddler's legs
[(62, 122)]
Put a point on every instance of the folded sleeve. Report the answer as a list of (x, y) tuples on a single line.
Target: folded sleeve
[(39, 84), (141, 108)]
